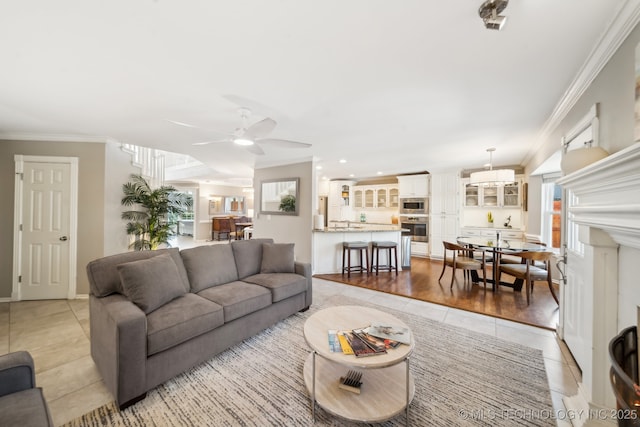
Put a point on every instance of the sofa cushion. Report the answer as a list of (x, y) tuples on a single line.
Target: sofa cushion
[(282, 285), (180, 320), (277, 258), (238, 298), (151, 283), (104, 278), (26, 408), (248, 256), (209, 266)]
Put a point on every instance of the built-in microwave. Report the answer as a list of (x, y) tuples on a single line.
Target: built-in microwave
[(414, 205)]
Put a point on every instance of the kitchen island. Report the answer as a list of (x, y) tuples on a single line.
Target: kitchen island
[(327, 243)]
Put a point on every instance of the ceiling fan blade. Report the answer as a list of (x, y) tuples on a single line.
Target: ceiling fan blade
[(283, 143), (261, 128), (255, 149), (211, 142)]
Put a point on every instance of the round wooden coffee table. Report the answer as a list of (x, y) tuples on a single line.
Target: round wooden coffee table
[(387, 384)]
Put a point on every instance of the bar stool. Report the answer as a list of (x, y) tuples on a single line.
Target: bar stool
[(375, 256), (363, 249)]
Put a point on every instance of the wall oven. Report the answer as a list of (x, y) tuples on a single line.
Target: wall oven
[(418, 227), (414, 206)]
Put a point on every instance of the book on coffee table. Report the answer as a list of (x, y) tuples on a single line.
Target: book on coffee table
[(334, 342), (391, 332), (374, 342), (359, 347)]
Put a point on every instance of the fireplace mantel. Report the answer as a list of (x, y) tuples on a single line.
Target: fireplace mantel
[(608, 195)]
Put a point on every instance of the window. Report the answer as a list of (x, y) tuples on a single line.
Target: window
[(573, 242), (551, 214)]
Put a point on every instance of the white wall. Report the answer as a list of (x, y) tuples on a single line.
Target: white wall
[(202, 227), (117, 171), (288, 228), (628, 288), (477, 217)]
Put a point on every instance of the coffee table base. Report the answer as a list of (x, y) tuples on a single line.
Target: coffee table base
[(383, 394)]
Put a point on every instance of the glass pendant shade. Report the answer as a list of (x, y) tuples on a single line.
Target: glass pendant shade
[(492, 177)]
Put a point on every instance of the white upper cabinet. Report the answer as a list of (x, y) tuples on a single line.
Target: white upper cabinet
[(375, 196), (394, 195), (414, 185), (508, 196), (444, 194)]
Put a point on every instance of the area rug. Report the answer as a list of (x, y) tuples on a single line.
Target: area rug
[(462, 378)]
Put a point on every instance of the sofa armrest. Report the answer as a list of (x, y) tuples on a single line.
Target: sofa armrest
[(16, 372), (119, 345), (304, 269)]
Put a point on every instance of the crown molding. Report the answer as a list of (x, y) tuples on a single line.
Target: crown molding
[(55, 137), (623, 23)]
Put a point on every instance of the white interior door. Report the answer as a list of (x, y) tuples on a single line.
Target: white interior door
[(45, 248)]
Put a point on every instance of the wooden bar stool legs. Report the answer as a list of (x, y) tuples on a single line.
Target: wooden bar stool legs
[(363, 250), (375, 256)]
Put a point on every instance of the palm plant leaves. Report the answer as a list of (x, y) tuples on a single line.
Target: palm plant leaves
[(151, 223)]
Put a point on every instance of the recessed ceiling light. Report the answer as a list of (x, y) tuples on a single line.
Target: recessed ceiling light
[(351, 175), (318, 167), (379, 173), (342, 161)]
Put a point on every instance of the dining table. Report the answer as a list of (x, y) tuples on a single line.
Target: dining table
[(496, 247)]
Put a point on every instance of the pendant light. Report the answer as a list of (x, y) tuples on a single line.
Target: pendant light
[(492, 177)]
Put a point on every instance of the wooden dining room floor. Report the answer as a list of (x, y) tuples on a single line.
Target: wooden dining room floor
[(421, 282)]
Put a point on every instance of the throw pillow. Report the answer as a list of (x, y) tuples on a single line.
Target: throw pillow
[(151, 283), (277, 258)]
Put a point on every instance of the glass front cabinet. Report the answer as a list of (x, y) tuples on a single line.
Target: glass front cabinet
[(493, 196), (376, 196)]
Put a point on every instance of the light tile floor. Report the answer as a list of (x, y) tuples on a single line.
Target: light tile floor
[(56, 333)]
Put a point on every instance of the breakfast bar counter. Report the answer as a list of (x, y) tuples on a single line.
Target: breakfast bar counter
[(327, 243)]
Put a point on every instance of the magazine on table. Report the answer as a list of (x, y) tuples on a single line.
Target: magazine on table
[(377, 344), (334, 342), (391, 332), (359, 347), (346, 348)]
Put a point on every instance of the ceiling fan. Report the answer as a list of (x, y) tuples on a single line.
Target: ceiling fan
[(251, 137)]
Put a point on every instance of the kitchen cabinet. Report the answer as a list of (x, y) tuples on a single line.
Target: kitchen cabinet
[(394, 197), (508, 196), (419, 249), (414, 185), (444, 212), (358, 198), (375, 196), (340, 201), (505, 233)]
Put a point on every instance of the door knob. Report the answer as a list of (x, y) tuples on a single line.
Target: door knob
[(63, 238)]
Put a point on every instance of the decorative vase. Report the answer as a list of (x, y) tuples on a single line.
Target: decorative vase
[(490, 224)]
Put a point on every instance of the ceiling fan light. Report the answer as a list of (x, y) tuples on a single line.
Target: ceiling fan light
[(243, 141)]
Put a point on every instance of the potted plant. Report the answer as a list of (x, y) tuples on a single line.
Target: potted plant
[(490, 219), (152, 223), (288, 203)]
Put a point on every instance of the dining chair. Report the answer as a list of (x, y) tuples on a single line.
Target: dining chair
[(509, 257), (462, 258), (528, 271)]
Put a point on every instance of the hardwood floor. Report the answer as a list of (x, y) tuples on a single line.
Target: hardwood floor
[(421, 282)]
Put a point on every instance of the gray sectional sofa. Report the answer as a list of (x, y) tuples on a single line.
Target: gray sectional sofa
[(155, 314)]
